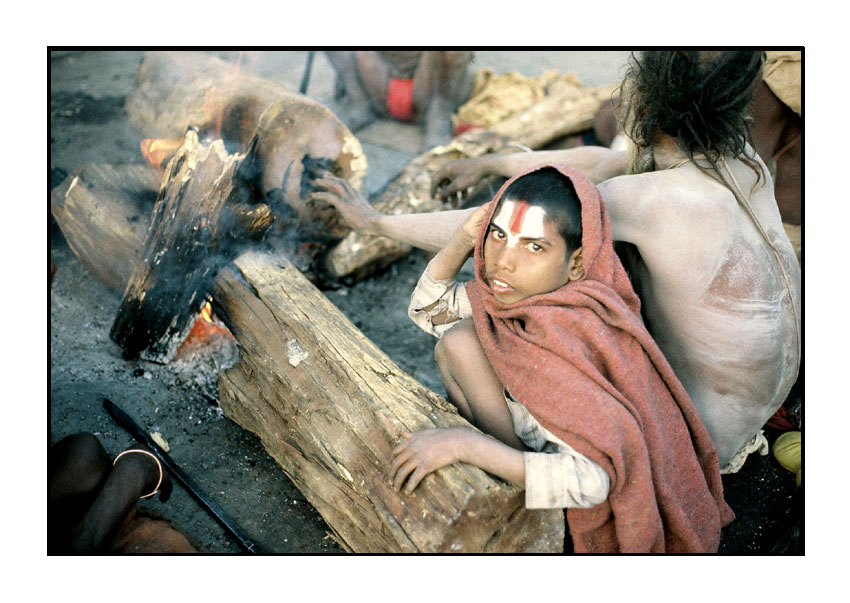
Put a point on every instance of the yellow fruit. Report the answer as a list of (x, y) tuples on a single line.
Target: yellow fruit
[(788, 450)]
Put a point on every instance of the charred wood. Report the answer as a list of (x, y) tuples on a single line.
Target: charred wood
[(203, 216)]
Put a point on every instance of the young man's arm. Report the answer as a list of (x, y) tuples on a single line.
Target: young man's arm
[(426, 451)]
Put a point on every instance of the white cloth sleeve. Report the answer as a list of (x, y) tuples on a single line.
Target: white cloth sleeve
[(563, 479), (449, 296), (556, 475)]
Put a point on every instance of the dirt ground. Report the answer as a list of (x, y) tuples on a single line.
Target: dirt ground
[(88, 125)]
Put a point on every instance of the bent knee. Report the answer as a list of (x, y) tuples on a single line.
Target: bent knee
[(78, 464), (457, 343)]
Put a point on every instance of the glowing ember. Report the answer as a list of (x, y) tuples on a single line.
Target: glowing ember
[(205, 333)]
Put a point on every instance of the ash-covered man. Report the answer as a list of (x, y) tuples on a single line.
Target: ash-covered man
[(407, 85), (709, 258)]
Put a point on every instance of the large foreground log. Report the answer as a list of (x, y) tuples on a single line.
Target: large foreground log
[(568, 111), (203, 216), (104, 211), (329, 406)]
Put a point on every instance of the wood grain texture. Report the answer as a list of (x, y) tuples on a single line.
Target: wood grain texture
[(329, 406)]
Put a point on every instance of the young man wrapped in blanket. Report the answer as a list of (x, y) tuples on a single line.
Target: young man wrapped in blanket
[(546, 352)]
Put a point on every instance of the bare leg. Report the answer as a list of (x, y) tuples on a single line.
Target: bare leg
[(77, 467), (472, 384), (442, 83), (358, 108)]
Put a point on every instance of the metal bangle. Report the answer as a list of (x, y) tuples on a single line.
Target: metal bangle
[(158, 464)]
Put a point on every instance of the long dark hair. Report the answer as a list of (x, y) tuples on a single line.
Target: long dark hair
[(700, 99)]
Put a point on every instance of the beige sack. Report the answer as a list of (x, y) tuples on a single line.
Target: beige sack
[(494, 98), (783, 74)]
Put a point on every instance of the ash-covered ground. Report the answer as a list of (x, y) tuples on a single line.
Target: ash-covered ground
[(178, 400)]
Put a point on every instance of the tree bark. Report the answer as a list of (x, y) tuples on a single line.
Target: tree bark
[(329, 406), (203, 215), (103, 212), (566, 112)]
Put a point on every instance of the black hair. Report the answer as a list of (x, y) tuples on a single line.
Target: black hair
[(550, 190), (700, 99)]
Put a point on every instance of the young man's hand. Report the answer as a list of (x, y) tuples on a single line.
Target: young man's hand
[(422, 453), (472, 226)]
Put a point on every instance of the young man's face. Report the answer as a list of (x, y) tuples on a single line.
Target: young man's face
[(523, 253)]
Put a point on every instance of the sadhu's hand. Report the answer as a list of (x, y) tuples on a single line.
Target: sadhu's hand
[(457, 176), (357, 212)]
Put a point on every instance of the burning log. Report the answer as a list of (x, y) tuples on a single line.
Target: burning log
[(103, 212), (204, 213), (177, 90), (293, 136), (565, 112), (329, 406), (204, 205)]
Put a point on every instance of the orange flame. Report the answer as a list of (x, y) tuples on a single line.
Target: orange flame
[(157, 150), (203, 332), (206, 313)]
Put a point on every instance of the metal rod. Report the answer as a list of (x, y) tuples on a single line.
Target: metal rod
[(308, 68), (126, 422)]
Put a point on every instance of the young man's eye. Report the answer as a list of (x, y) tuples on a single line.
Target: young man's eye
[(535, 247), (497, 234)]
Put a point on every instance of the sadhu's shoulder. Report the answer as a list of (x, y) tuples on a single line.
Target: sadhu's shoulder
[(634, 197), (633, 185)]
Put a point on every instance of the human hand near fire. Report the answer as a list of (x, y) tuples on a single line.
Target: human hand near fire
[(357, 212), (427, 451)]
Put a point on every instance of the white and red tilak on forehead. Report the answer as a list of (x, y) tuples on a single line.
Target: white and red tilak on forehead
[(519, 220)]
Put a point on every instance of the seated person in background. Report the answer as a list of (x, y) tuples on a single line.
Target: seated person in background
[(92, 500), (778, 136), (407, 85), (555, 358), (705, 247)]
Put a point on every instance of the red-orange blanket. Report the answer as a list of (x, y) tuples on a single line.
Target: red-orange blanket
[(580, 359)]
